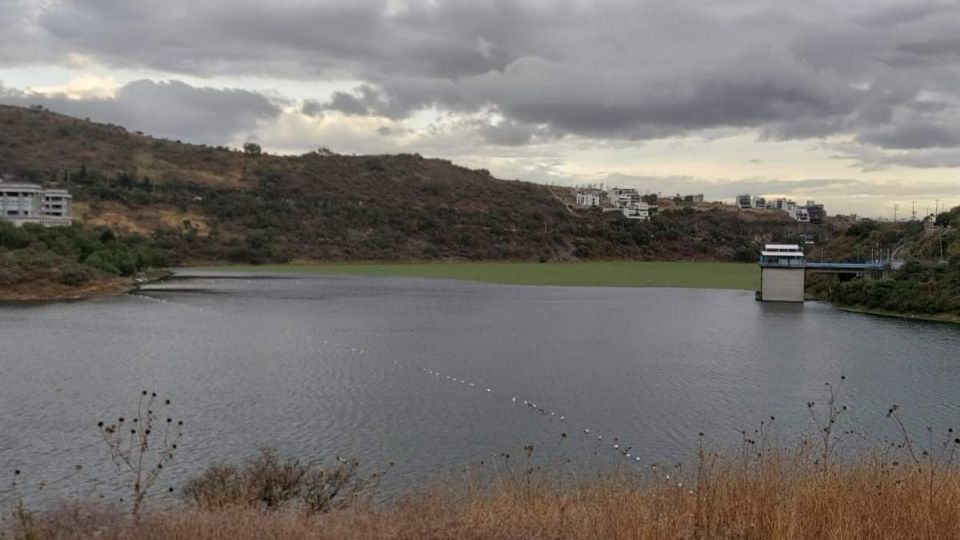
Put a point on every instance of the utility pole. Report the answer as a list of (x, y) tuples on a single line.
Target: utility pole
[(913, 210), (895, 208)]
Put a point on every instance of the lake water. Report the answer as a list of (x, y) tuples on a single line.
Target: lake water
[(318, 366)]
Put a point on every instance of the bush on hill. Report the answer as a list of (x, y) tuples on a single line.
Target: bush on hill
[(925, 288), (72, 255)]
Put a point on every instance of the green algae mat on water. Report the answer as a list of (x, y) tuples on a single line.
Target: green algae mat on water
[(705, 275)]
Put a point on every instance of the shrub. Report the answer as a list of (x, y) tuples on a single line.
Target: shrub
[(252, 149), (76, 274), (267, 482), (745, 254)]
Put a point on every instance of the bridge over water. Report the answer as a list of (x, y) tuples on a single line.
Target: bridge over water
[(847, 267)]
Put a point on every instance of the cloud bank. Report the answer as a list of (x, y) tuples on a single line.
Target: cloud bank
[(878, 82)]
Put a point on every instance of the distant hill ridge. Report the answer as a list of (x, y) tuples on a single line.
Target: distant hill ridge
[(208, 204)]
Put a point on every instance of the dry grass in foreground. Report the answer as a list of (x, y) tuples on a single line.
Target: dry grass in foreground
[(902, 488), (778, 496)]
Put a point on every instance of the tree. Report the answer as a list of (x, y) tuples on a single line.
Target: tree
[(252, 149)]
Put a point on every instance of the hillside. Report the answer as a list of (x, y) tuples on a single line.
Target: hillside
[(186, 203), (209, 204), (927, 286)]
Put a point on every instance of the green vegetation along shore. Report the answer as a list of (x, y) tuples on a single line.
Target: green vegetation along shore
[(38, 263), (926, 287), (593, 274)]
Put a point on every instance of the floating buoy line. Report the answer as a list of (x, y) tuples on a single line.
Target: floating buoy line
[(550, 414)]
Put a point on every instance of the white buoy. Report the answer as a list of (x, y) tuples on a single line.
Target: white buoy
[(616, 446), (586, 431), (638, 458), (488, 390), (562, 418), (599, 437), (628, 454), (514, 399)]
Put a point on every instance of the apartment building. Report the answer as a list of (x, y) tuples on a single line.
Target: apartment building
[(22, 202)]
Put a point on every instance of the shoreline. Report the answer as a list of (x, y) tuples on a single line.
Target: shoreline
[(46, 292), (947, 318), (55, 292)]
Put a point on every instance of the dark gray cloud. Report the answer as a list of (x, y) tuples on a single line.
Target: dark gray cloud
[(613, 69), (913, 135), (367, 100), (509, 133), (170, 109), (872, 158), (347, 104), (312, 107)]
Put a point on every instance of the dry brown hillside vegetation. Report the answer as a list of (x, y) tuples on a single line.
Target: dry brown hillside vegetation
[(41, 145), (209, 204)]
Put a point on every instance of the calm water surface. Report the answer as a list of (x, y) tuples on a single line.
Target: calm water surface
[(320, 366)]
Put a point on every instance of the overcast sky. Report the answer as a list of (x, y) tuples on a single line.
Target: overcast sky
[(855, 103)]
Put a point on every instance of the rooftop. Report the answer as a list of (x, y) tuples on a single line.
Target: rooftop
[(18, 185)]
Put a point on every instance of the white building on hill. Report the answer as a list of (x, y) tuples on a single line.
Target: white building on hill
[(624, 197), (21, 203), (589, 197), (640, 210), (628, 201)]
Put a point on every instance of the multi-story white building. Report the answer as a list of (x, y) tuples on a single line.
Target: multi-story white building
[(30, 203), (624, 197), (589, 197), (640, 210), (627, 201), (782, 204)]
